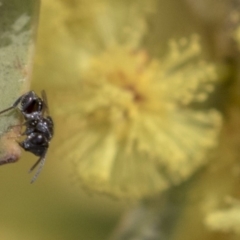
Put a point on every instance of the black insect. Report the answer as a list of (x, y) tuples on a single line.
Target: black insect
[(39, 126)]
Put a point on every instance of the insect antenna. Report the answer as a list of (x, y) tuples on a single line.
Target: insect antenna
[(14, 104), (7, 109)]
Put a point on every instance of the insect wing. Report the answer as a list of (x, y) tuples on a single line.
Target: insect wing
[(45, 102)]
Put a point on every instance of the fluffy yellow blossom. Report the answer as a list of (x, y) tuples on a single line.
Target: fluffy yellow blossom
[(136, 131), (225, 220)]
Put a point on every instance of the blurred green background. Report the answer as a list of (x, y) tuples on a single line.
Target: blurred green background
[(52, 208)]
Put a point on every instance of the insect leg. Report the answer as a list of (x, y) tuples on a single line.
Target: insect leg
[(39, 162)]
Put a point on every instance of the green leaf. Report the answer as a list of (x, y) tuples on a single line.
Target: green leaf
[(18, 23)]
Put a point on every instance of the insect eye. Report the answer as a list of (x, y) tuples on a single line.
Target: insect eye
[(30, 106)]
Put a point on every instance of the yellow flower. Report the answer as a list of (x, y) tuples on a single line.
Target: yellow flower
[(225, 220), (136, 130)]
